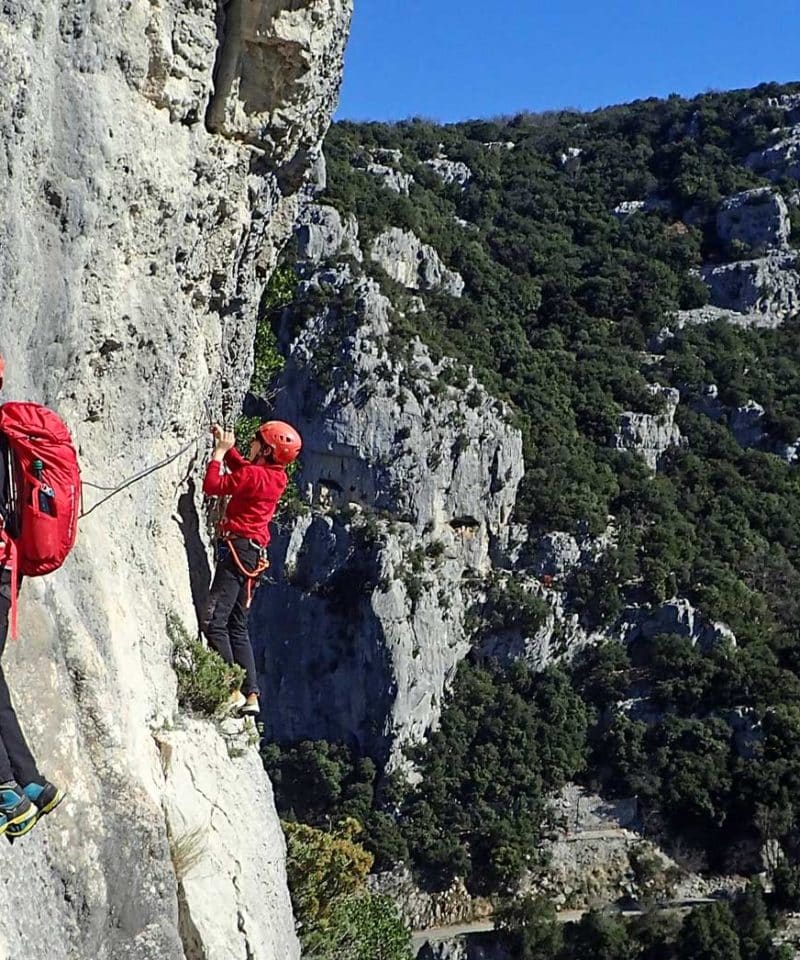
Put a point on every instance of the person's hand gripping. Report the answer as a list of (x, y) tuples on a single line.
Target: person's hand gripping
[(224, 440)]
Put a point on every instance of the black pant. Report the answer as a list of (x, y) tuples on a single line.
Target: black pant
[(16, 759), (226, 616)]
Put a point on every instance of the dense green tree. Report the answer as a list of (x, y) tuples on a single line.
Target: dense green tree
[(530, 929), (600, 936), (708, 933)]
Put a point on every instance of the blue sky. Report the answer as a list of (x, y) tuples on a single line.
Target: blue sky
[(453, 59)]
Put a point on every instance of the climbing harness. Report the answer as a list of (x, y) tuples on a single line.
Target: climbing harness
[(253, 576)]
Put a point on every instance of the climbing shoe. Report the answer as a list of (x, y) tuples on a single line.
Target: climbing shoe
[(44, 797), (234, 703), (16, 810), (250, 707)]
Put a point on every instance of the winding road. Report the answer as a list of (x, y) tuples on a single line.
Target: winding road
[(440, 934)]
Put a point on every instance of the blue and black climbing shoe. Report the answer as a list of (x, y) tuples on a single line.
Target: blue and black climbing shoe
[(17, 813), (44, 798)]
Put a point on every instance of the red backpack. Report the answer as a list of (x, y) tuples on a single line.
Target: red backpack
[(45, 487)]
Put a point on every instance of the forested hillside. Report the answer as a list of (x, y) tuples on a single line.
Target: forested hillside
[(630, 291)]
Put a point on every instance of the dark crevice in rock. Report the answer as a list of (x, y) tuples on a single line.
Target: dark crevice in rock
[(189, 934), (196, 556)]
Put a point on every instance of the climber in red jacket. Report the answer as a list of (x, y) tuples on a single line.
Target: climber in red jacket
[(254, 486)]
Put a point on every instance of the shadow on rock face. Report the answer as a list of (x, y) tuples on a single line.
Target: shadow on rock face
[(324, 667), (197, 558)]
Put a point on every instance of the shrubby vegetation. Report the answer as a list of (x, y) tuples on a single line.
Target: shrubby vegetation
[(205, 681), (337, 917), (507, 740), (718, 931), (561, 300), (719, 756), (561, 305)]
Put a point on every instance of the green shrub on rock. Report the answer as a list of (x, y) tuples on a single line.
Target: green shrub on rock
[(205, 681)]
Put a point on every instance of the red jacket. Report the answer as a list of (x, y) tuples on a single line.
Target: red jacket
[(254, 489)]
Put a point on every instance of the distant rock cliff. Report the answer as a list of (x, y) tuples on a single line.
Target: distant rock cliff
[(410, 485)]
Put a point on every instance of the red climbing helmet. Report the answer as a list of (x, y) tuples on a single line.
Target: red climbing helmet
[(282, 439)]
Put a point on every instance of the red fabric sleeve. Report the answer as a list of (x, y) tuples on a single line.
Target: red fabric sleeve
[(234, 460), (219, 484)]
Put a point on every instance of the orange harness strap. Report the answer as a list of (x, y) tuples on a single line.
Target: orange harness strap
[(8, 558), (251, 576)]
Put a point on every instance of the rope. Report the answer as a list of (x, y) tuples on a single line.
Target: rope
[(136, 477), (251, 575)]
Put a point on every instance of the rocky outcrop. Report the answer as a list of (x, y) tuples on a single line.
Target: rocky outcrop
[(414, 264), (651, 204), (768, 287), (411, 480), (448, 950), (757, 292), (322, 234), (274, 65), (558, 553), (790, 452), (789, 103), (423, 910), (136, 244), (385, 429), (650, 435), (750, 293), (746, 423), (754, 219), (628, 207), (780, 160), (385, 165), (570, 159), (451, 171), (395, 180), (678, 617), (232, 898)]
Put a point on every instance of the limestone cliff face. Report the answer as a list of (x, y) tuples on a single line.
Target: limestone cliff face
[(412, 481), (152, 162)]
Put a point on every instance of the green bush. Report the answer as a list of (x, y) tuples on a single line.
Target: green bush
[(336, 915), (205, 681), (507, 739)]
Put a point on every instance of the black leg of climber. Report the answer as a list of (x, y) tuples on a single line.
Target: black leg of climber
[(254, 486), (25, 795), (226, 623), (16, 761)]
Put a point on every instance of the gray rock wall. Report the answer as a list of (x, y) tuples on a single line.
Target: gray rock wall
[(411, 485), (151, 158), (414, 264), (782, 159), (650, 435), (757, 219)]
